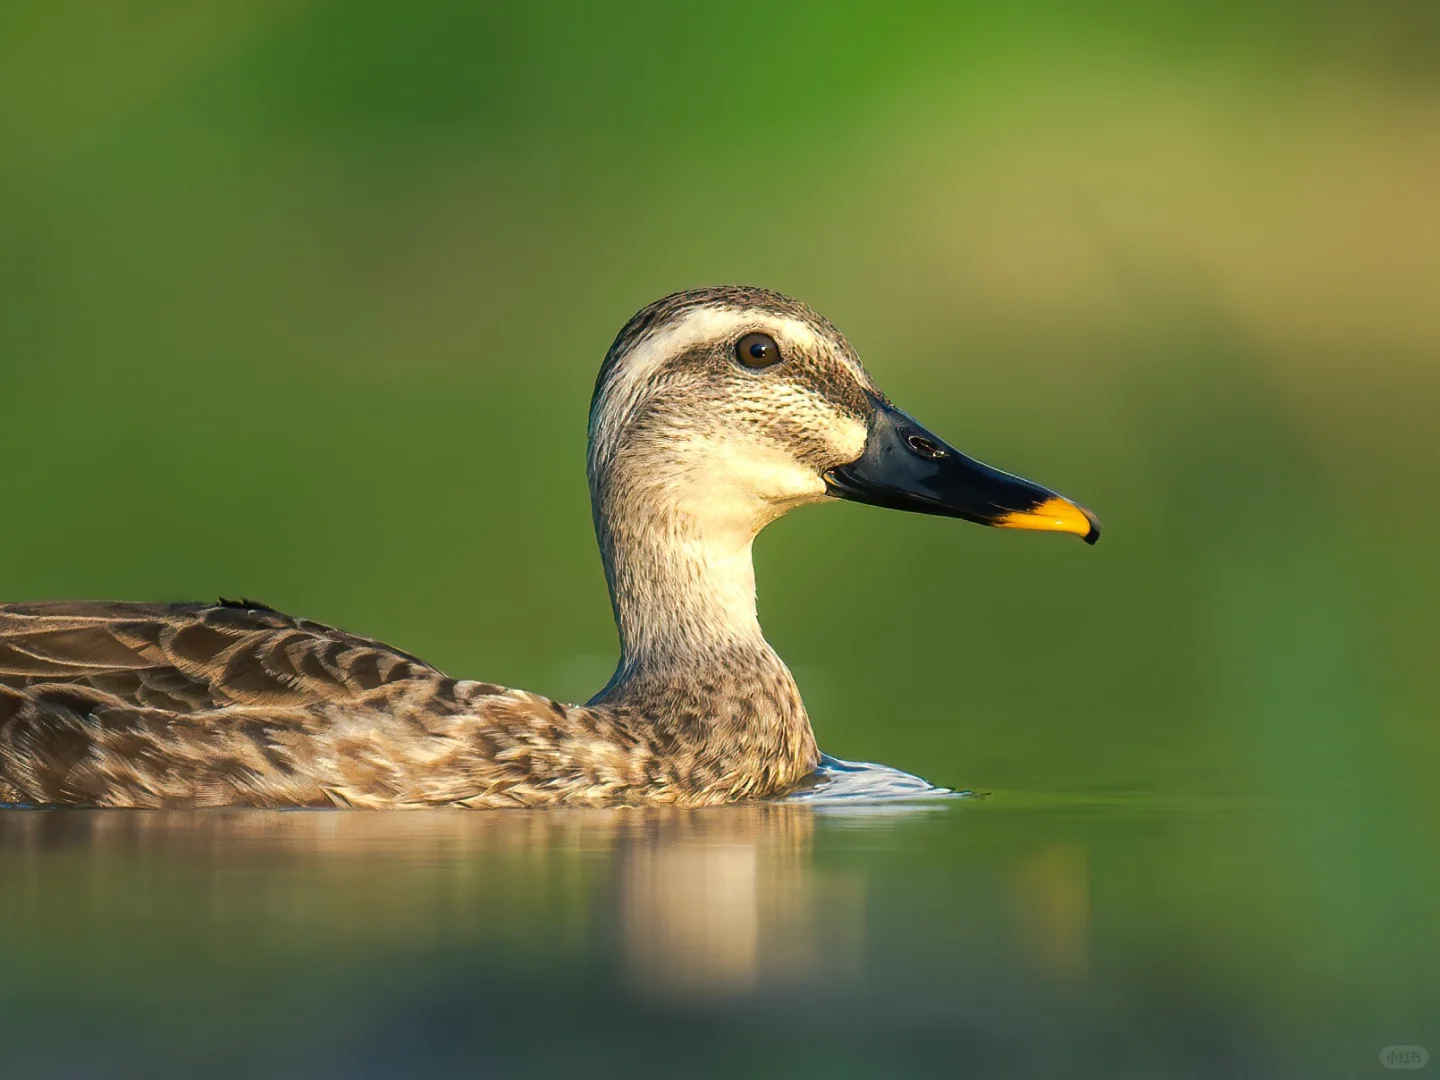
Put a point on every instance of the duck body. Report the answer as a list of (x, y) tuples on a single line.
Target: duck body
[(188, 705), (715, 412)]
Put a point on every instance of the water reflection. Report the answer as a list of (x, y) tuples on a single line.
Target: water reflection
[(965, 932), (700, 903), (730, 901), (1051, 891)]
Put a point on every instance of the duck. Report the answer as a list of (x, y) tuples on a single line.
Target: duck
[(715, 412)]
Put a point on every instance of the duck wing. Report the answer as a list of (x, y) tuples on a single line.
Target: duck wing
[(184, 705), (190, 704), (185, 658)]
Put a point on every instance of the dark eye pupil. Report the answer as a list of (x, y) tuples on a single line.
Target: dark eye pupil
[(757, 351)]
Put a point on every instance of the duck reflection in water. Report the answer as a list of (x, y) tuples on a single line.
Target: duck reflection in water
[(697, 904)]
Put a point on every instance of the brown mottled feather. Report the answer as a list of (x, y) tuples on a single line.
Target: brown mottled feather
[(146, 705)]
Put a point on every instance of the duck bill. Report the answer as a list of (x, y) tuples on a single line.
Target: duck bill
[(906, 467)]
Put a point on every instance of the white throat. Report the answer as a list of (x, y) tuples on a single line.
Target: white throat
[(681, 576)]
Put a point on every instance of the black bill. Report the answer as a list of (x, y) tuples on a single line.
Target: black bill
[(906, 467)]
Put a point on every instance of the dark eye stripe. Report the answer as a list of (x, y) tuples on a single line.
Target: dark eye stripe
[(757, 351)]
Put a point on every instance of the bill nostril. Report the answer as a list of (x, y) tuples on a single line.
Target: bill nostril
[(925, 448)]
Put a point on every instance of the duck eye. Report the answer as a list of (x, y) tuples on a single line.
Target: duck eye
[(757, 351)]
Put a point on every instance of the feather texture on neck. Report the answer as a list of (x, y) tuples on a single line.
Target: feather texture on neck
[(693, 658)]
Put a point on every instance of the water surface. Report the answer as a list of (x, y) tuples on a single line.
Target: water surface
[(1015, 934)]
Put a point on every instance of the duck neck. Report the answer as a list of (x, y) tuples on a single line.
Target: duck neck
[(692, 655), (682, 584)]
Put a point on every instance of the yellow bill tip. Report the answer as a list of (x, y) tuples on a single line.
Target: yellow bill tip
[(1055, 515)]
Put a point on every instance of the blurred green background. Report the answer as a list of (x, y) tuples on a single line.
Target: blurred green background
[(302, 301)]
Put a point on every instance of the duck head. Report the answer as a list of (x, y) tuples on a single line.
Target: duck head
[(722, 408)]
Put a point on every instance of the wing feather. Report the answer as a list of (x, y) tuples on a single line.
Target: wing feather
[(191, 657)]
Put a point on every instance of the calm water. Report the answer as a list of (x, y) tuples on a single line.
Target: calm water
[(1015, 934)]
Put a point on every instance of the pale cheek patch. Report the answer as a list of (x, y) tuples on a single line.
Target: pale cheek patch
[(634, 378), (849, 437), (742, 470), (764, 442), (775, 476)]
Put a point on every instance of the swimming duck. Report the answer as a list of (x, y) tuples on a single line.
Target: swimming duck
[(715, 411)]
